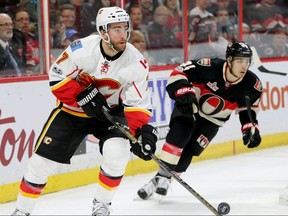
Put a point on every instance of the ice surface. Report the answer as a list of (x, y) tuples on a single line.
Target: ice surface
[(250, 183)]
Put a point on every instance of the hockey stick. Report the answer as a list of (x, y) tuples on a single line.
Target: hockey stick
[(249, 110), (160, 163), (260, 66)]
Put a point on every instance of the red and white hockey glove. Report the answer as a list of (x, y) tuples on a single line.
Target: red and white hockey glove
[(251, 135)]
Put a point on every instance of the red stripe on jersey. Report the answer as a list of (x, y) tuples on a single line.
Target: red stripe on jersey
[(176, 72), (108, 181), (76, 70), (66, 91), (137, 90), (30, 189), (172, 149), (136, 118)]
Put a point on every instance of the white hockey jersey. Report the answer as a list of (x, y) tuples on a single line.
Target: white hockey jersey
[(123, 77)]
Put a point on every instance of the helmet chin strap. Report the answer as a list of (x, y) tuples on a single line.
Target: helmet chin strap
[(109, 43)]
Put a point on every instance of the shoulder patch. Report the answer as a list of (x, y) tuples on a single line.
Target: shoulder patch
[(179, 68), (204, 62), (76, 45), (258, 85)]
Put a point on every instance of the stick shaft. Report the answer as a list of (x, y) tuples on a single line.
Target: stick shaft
[(161, 164), (249, 110)]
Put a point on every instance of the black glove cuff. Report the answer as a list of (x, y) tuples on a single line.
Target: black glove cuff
[(173, 87)]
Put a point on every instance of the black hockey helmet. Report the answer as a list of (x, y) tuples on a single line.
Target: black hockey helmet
[(239, 49)]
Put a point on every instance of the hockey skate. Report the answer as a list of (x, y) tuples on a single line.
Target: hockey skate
[(100, 209), (158, 184), (148, 189), (18, 212), (162, 185)]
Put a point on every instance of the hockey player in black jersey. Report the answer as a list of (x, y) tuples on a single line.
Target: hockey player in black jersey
[(206, 92)]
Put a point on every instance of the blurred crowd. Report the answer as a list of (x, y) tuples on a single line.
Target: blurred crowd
[(157, 28)]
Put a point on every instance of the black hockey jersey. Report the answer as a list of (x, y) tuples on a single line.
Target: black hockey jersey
[(217, 97)]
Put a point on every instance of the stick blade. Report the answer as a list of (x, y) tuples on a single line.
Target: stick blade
[(260, 66)]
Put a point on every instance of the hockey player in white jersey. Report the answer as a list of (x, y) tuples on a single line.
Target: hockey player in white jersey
[(96, 71)]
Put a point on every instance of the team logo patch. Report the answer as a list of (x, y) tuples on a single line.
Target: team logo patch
[(105, 67), (76, 45), (203, 141), (204, 62), (57, 70), (213, 86), (258, 85), (179, 68)]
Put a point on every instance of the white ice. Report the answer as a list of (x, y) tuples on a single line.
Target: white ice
[(250, 183)]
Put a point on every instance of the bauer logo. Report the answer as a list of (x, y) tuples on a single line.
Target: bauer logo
[(88, 98)]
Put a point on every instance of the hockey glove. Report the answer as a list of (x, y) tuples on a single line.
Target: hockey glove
[(146, 145), (251, 135), (92, 101), (186, 101)]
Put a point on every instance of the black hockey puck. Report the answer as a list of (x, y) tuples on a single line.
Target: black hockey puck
[(223, 208)]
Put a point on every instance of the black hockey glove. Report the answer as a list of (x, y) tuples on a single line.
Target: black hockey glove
[(92, 101), (251, 135), (186, 101), (146, 145)]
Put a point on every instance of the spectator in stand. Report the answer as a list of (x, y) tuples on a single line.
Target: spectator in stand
[(89, 16), (78, 5), (10, 62), (70, 36), (174, 20), (203, 37), (68, 13), (31, 7), (147, 9), (22, 23), (277, 47), (159, 35), (137, 39), (136, 17), (251, 38), (57, 30), (229, 5), (163, 46), (200, 9), (245, 32), (224, 26), (266, 15)]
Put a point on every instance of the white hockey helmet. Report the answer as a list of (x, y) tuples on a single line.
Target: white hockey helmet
[(109, 15)]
